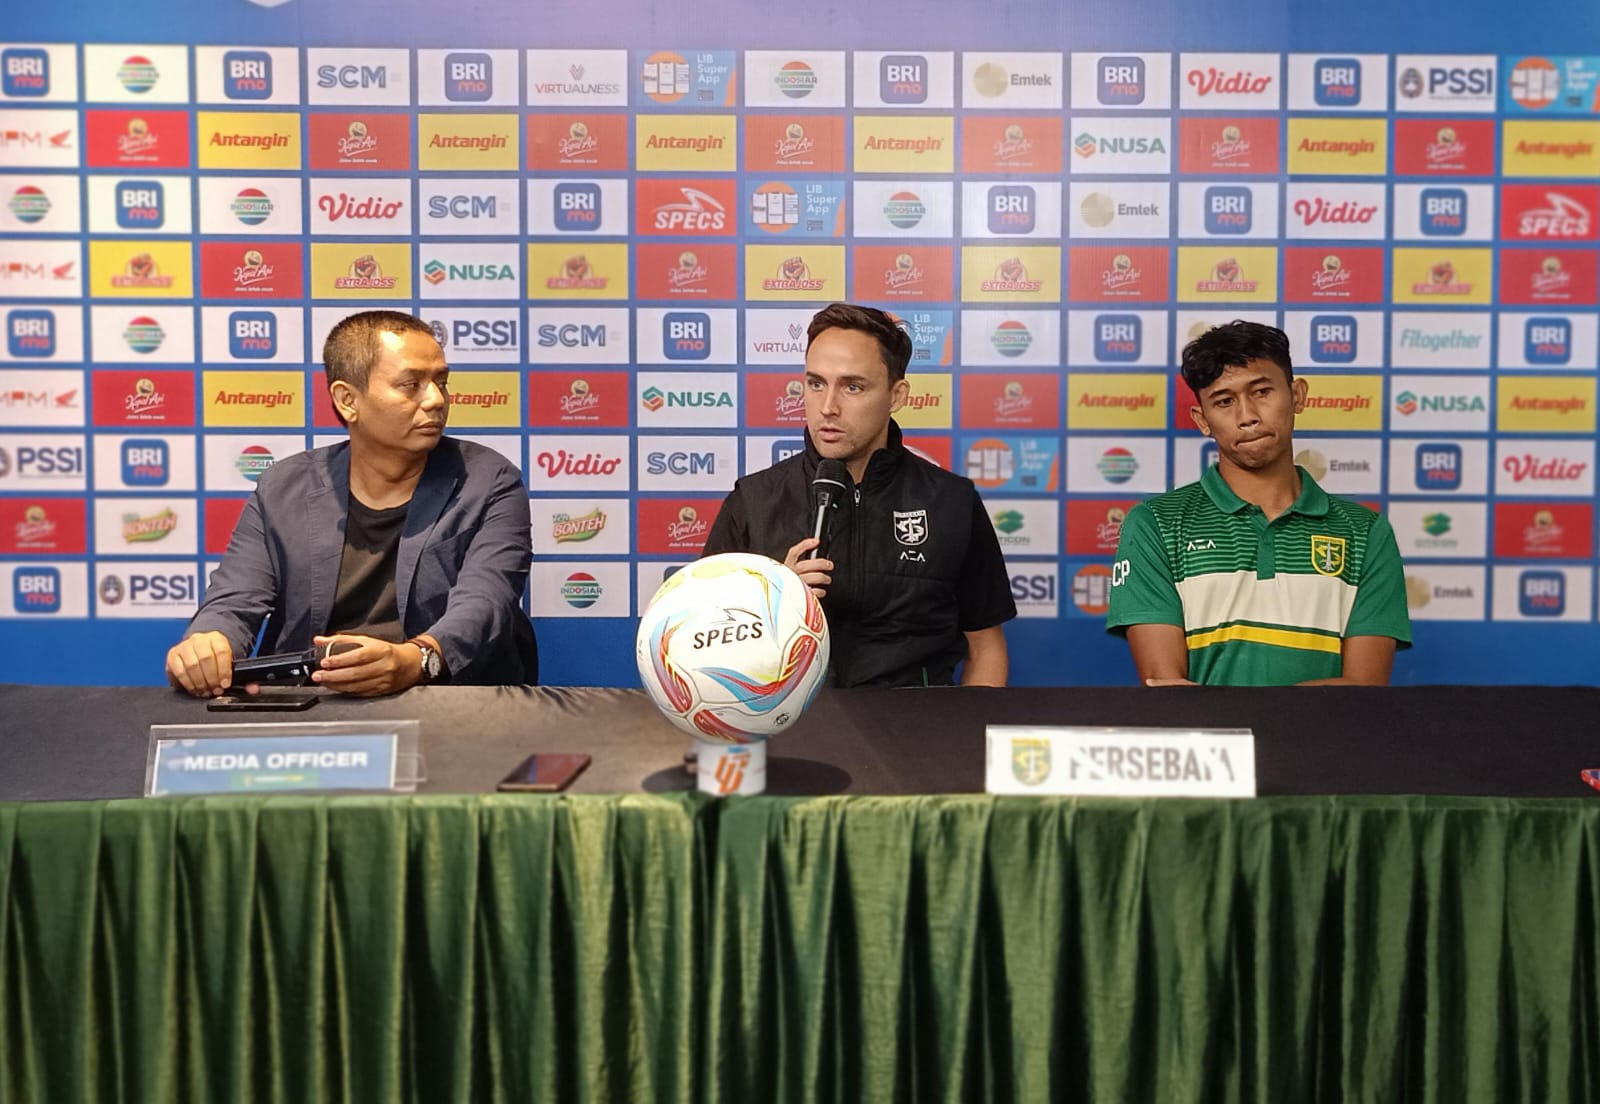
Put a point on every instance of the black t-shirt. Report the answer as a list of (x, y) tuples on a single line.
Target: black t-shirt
[(365, 602)]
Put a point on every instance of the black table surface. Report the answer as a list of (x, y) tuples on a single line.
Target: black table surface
[(60, 743)]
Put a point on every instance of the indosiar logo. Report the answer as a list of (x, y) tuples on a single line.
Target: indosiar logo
[(577, 206), (141, 204), (252, 335), (25, 72), (1542, 594), (1012, 209), (686, 335), (903, 79), (1118, 338), (1333, 338), (31, 333), (468, 77), (1438, 467), (247, 75), (145, 462), (1547, 341), (1337, 82), (1444, 212), (1228, 209), (1121, 81), (36, 590)]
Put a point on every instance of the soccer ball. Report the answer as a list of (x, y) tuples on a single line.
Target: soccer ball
[(733, 648)]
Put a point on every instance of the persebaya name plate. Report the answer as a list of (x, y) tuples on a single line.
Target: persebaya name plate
[(272, 758), (1121, 762)]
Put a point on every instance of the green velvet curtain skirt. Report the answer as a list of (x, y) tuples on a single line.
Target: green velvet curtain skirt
[(1283, 950)]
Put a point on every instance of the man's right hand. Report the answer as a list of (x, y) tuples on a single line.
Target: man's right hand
[(813, 573), (202, 664)]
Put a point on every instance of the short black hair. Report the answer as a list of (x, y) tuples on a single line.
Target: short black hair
[(353, 346), (1233, 345), (894, 343)]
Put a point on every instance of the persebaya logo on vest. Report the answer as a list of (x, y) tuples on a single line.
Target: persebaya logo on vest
[(911, 526), (1030, 760), (1327, 555)]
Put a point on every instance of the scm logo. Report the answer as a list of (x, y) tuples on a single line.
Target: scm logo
[(352, 76), (571, 336), (681, 463)]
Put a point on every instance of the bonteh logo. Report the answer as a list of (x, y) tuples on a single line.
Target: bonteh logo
[(1118, 338), (145, 462), (571, 335), (686, 335), (1011, 209), (252, 335), (1228, 209), (1444, 212), (1121, 81), (31, 333), (1337, 82), (468, 77), (25, 71), (1333, 338), (1542, 594), (1547, 341), (36, 590), (140, 204), (247, 75), (1438, 467), (577, 207), (903, 79)]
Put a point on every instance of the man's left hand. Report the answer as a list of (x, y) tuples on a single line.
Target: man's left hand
[(373, 668)]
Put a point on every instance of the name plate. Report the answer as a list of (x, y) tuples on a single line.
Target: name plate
[(1121, 762), (213, 759)]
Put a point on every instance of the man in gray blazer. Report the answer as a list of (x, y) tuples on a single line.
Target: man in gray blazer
[(412, 546)]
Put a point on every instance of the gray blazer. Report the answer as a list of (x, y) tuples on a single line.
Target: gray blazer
[(463, 561)]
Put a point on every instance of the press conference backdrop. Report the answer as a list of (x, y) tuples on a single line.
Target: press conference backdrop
[(619, 221)]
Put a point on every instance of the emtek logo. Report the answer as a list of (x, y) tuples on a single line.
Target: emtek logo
[(1121, 81), (1338, 82), (144, 463), (577, 207), (252, 335), (468, 78), (25, 72), (140, 204), (1333, 338), (1542, 594), (1438, 467), (247, 75), (1011, 209), (1118, 338), (1228, 209), (686, 335), (903, 79), (1547, 341), (31, 333), (36, 590), (1444, 212)]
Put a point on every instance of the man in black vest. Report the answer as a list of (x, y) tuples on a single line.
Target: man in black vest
[(913, 582)]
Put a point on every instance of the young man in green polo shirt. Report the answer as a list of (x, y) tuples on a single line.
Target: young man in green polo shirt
[(1256, 576)]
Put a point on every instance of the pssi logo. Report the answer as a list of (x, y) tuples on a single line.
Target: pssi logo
[(1547, 341), (25, 72), (252, 335), (145, 463), (1228, 209), (31, 333), (1118, 338), (903, 79), (1121, 81), (1542, 594), (247, 75), (686, 335), (1011, 209), (140, 204), (577, 206), (1337, 82), (1333, 338), (36, 590), (468, 78), (1438, 467), (1444, 212)]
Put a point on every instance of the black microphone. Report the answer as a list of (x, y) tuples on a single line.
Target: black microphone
[(831, 483)]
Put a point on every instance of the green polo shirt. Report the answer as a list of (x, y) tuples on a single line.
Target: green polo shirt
[(1261, 603)]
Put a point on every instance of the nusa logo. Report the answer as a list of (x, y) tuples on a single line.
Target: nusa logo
[(31, 333), (1333, 338), (1118, 338), (25, 71), (247, 75), (1011, 209), (1337, 82), (36, 590), (1444, 212), (468, 78), (252, 335), (145, 462), (1547, 341), (686, 335), (1121, 81), (1228, 209), (577, 207), (140, 204)]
